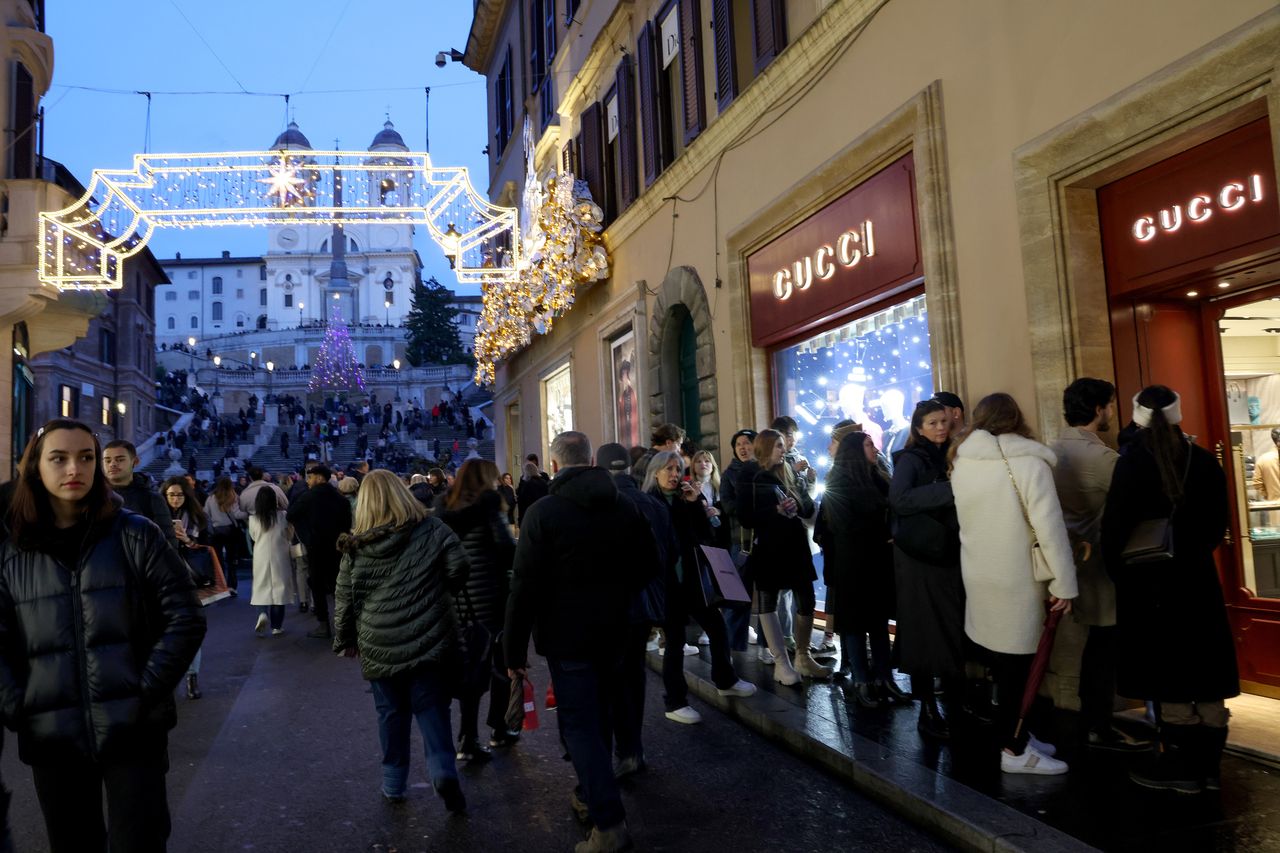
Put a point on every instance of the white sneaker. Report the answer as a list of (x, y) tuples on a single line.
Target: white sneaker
[(1041, 747), (1032, 762), (752, 637), (276, 632), (261, 627), (704, 640), (652, 646), (688, 716), (740, 688), (765, 655), (690, 651)]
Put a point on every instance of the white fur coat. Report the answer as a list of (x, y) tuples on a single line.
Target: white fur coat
[(1004, 608)]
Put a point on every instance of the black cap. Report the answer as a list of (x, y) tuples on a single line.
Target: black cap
[(949, 400), (613, 457)]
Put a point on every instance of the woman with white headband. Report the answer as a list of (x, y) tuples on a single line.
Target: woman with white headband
[(1166, 512)]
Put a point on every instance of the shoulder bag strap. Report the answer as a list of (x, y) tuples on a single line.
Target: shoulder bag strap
[(1022, 505)]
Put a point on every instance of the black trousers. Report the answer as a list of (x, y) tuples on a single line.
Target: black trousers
[(684, 600), (137, 819), (628, 695), (499, 690), (322, 580), (1098, 677), (1010, 673)]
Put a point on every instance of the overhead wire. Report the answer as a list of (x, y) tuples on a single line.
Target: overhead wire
[(200, 36)]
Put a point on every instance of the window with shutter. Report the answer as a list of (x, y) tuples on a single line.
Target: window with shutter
[(22, 124), (536, 37), (590, 147), (627, 186), (502, 106), (549, 32), (650, 126), (726, 59), (768, 19), (691, 79)]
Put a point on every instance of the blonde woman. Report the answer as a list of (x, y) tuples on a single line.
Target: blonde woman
[(394, 610), (705, 477)]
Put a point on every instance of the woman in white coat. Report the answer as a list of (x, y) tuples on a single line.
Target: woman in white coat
[(1006, 501), (272, 569)]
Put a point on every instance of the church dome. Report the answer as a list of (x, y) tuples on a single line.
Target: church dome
[(291, 139), (388, 139)]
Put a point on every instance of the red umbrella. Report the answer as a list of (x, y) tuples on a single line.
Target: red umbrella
[(1038, 665)]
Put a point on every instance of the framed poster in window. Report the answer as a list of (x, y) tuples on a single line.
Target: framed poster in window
[(625, 393), (557, 399)]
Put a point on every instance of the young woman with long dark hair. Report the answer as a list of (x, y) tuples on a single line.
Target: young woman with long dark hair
[(191, 526), (71, 552), (226, 528), (853, 529), (926, 556), (272, 567), (475, 511), (1174, 641)]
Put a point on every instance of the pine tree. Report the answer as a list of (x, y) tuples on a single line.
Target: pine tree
[(431, 327), (336, 366)]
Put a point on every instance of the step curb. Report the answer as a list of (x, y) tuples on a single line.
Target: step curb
[(957, 813)]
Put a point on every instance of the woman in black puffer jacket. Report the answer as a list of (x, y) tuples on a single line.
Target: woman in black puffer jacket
[(394, 608), (98, 622), (475, 511)]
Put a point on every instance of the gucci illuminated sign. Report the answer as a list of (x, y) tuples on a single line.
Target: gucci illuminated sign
[(848, 250), (1232, 196)]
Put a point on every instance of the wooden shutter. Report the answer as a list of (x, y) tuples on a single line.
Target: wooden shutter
[(769, 28), (535, 46), (590, 147), (726, 68), (569, 159), (649, 129), (628, 191), (22, 120), (695, 98)]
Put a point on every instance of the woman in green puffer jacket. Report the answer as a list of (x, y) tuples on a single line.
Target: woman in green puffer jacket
[(395, 610)]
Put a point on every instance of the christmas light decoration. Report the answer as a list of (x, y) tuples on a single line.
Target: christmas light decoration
[(336, 367), (84, 246), (563, 244)]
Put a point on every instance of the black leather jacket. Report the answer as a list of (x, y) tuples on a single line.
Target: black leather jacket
[(90, 654)]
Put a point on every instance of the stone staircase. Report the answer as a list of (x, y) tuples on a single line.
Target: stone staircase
[(269, 458), (206, 456)]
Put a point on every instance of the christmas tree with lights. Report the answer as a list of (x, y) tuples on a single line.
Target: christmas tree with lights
[(336, 367)]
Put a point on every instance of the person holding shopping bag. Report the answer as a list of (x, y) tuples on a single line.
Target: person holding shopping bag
[(1014, 553)]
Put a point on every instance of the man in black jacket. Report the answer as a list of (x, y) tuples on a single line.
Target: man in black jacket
[(573, 588), (647, 608), (119, 458), (320, 516)]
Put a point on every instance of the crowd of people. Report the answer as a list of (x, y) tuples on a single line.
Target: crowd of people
[(965, 540)]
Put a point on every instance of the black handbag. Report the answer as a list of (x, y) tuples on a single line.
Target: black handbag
[(200, 564), (923, 537), (476, 648), (1151, 541)]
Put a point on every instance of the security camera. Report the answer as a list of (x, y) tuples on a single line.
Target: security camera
[(442, 59)]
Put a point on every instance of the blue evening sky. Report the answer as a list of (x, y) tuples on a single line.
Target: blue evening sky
[(384, 48)]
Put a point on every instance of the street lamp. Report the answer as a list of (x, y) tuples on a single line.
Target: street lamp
[(395, 362), (271, 366), (386, 303), (191, 349), (121, 408), (301, 305), (217, 378), (252, 366)]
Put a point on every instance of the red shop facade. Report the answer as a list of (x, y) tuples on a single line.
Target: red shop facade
[(1191, 246)]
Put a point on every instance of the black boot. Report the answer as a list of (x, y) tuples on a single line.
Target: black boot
[(1175, 766), (1212, 742), (932, 724), (894, 693), (451, 792), (865, 693), (193, 686)]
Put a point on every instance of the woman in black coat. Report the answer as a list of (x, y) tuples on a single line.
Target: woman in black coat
[(474, 510), (98, 622), (853, 530), (684, 597), (926, 557), (1174, 643), (773, 504)]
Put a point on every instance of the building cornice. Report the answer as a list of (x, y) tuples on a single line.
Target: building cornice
[(600, 60), (480, 40)]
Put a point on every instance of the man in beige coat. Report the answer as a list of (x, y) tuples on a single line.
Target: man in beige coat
[(1083, 478)]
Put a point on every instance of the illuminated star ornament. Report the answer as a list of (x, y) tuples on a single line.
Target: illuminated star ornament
[(284, 182)]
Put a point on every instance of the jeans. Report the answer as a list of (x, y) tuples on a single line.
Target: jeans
[(421, 694), (583, 692), (786, 605), (137, 819), (628, 697), (275, 615), (788, 602), (683, 601), (854, 649), (1098, 677), (194, 668)]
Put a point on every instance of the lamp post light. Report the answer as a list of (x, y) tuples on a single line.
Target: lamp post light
[(386, 303), (217, 377), (121, 408), (271, 367), (252, 366), (191, 350), (301, 305), (395, 362)]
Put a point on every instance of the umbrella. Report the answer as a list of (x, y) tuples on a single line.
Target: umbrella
[(1038, 666)]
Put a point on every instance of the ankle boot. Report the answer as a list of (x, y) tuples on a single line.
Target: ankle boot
[(193, 686), (932, 724), (805, 664), (783, 672), (1175, 768), (1212, 742)]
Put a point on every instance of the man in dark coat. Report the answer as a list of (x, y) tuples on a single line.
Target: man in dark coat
[(119, 458), (320, 516), (572, 587), (647, 611)]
